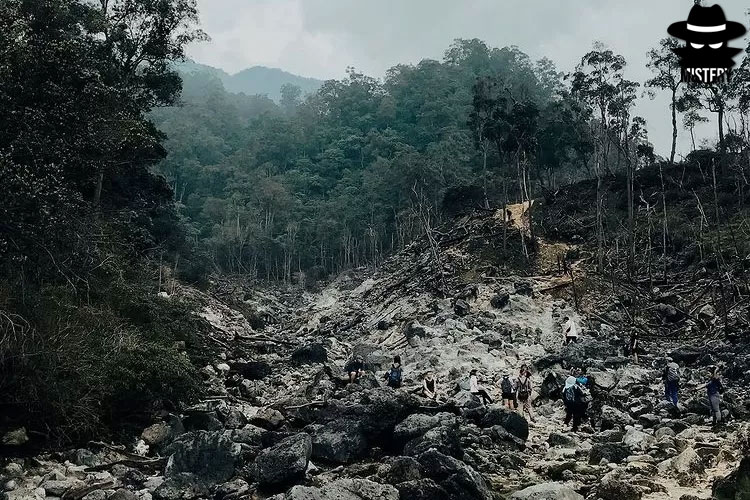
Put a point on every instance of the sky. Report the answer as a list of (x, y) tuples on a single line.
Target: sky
[(321, 38)]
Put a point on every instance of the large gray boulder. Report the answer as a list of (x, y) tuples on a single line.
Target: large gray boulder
[(422, 489), (210, 456), (284, 463), (546, 491), (341, 441), (455, 477), (183, 486), (343, 489)]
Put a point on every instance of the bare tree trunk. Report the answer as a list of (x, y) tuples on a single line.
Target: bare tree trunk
[(674, 127)]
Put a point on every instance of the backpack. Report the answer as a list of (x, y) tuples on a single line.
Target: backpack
[(524, 388), (673, 373), (394, 376), (584, 395), (569, 394), (506, 386)]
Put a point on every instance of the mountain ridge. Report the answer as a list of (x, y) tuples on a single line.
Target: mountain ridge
[(255, 80)]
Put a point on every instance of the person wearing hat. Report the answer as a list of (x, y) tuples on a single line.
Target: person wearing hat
[(706, 55), (508, 390), (475, 389)]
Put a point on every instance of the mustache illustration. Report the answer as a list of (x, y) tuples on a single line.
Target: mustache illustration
[(707, 57)]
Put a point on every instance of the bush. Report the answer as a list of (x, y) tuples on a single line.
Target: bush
[(82, 370)]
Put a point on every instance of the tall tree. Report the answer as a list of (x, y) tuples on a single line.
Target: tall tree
[(665, 64)]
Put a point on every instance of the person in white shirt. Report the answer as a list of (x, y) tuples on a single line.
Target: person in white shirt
[(570, 330), (475, 389)]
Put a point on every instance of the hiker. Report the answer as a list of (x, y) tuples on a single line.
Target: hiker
[(715, 388), (671, 377), (633, 345), (429, 386), (523, 392), (355, 368), (576, 398), (393, 376), (570, 330), (508, 389), (475, 389)]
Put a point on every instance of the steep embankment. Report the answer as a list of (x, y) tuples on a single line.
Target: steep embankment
[(280, 413)]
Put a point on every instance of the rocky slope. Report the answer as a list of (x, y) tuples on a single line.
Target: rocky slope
[(281, 422)]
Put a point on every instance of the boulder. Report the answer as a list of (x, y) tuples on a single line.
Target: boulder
[(402, 469), (284, 463), (687, 462), (638, 440), (461, 307), (612, 417), (455, 477), (56, 487), (16, 437), (343, 489), (686, 354), (511, 421), (552, 386), (546, 491), (267, 418), (422, 489), (232, 489), (210, 456), (611, 452), (734, 486), (341, 441), (310, 354), (613, 488), (500, 300), (414, 426), (123, 494), (183, 486), (668, 312)]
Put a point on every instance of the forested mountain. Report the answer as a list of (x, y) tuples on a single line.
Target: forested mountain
[(362, 167), (258, 80)]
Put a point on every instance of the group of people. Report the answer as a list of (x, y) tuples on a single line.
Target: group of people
[(516, 391), (714, 388)]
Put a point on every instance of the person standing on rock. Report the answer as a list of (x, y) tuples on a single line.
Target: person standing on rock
[(523, 392), (475, 389), (393, 376), (508, 390), (429, 386), (570, 330), (671, 377), (355, 368), (633, 345), (569, 398), (715, 388)]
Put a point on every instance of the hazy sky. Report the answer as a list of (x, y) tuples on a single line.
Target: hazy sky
[(320, 38)]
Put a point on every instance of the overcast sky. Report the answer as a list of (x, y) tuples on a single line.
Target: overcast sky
[(321, 38)]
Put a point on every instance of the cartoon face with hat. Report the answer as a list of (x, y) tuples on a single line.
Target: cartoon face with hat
[(706, 56)]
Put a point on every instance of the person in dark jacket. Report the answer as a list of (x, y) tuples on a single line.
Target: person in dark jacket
[(715, 388), (393, 376), (355, 368)]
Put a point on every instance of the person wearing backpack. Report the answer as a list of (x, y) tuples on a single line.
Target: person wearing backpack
[(671, 377), (393, 376), (576, 398), (569, 397), (508, 390), (355, 368), (475, 389), (523, 392), (715, 388)]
